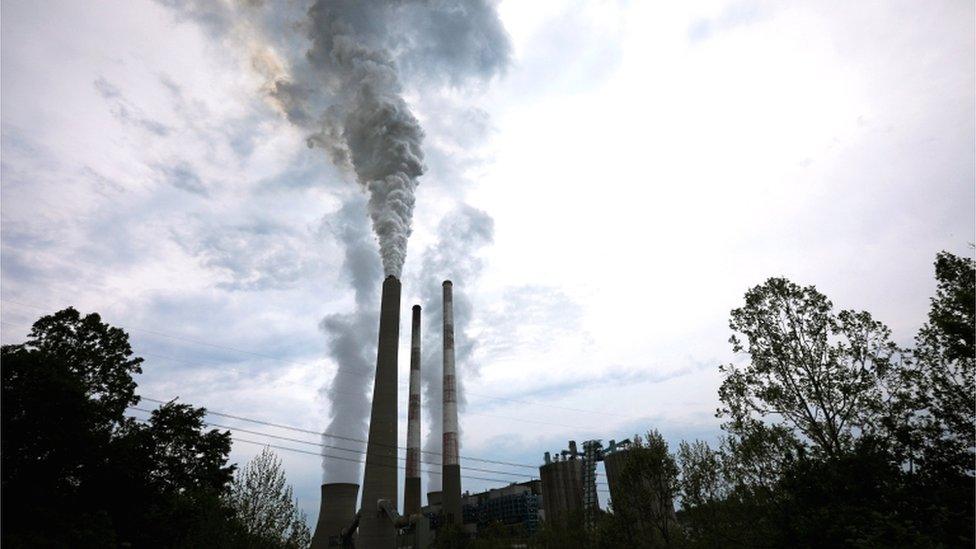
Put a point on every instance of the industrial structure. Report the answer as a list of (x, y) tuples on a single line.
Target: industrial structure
[(562, 485), (514, 510), (614, 458), (337, 515), (380, 474), (378, 524), (411, 482), (569, 480), (451, 468), (566, 491)]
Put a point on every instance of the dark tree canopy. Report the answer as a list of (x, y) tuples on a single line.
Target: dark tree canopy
[(78, 472), (946, 367), (829, 377), (834, 436)]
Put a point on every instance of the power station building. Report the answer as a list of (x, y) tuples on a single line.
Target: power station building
[(514, 510), (378, 524), (371, 520), (562, 485)]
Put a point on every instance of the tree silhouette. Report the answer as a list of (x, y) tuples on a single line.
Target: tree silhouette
[(265, 506)]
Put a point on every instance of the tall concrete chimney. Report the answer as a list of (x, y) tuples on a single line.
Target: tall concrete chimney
[(337, 512), (376, 530), (451, 477), (411, 486)]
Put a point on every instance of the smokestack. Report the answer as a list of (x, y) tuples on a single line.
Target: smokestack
[(411, 486), (451, 468), (337, 511), (379, 479)]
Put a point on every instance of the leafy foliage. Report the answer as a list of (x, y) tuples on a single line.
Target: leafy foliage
[(77, 472), (827, 377), (265, 505), (648, 486), (946, 367), (835, 437)]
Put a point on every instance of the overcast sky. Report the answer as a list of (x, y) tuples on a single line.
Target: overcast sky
[(617, 186)]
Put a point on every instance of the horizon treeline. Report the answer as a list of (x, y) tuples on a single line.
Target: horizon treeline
[(78, 472), (834, 436)]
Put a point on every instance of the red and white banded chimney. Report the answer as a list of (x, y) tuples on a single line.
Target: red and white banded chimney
[(451, 468), (411, 486)]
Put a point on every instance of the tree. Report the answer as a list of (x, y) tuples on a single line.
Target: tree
[(946, 366), (264, 505), (63, 395), (643, 508), (836, 437), (828, 378), (78, 472)]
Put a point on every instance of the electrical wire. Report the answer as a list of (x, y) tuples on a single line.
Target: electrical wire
[(344, 371)]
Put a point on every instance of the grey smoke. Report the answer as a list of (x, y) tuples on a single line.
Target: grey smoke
[(351, 93), (352, 341), (460, 236), (339, 69), (369, 126)]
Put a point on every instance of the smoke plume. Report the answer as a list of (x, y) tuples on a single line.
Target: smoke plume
[(366, 126), (352, 341), (369, 127), (460, 236), (341, 70)]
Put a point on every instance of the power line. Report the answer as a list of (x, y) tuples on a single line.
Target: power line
[(297, 450), (352, 439), (338, 370), (322, 445), (505, 481), (346, 371), (340, 437), (353, 460), (358, 461)]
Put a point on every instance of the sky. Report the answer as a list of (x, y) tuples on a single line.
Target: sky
[(602, 195)]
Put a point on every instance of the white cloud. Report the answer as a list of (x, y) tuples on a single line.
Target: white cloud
[(644, 164)]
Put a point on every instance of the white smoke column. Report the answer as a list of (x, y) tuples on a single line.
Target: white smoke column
[(337, 71), (370, 127), (460, 236), (343, 81), (352, 343)]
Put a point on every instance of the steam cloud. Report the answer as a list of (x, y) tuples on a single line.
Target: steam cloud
[(342, 79), (460, 236), (352, 342), (366, 126), (370, 126)]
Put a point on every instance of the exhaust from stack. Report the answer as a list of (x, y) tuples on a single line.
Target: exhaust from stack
[(411, 486), (380, 475), (451, 469)]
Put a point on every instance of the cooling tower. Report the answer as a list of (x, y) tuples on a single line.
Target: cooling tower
[(337, 511), (562, 489), (411, 482), (376, 530), (451, 478), (614, 462)]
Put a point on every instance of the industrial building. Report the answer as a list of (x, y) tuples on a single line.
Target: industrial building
[(569, 480), (515, 510), (613, 463), (378, 524), (566, 489), (562, 484)]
